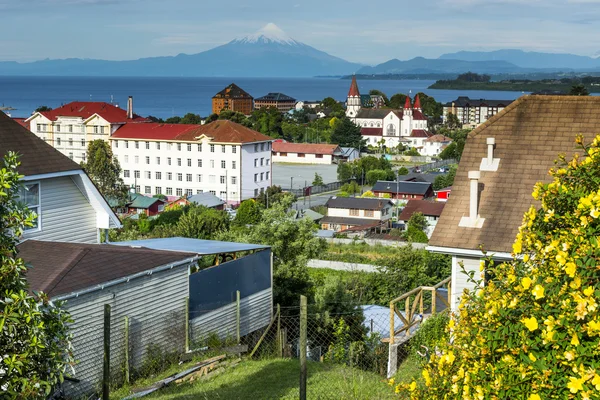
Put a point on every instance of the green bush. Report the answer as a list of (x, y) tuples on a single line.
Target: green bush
[(430, 334)]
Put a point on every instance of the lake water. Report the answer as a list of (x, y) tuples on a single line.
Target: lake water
[(165, 97)]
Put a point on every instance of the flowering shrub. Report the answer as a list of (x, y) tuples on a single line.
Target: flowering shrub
[(533, 331)]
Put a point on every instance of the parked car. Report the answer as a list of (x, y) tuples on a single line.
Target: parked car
[(231, 212)]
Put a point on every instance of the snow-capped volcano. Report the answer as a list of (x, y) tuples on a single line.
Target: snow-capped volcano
[(269, 33)]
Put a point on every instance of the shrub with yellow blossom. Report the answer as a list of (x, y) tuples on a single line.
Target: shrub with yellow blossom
[(533, 331)]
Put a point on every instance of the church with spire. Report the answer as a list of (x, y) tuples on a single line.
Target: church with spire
[(407, 126)]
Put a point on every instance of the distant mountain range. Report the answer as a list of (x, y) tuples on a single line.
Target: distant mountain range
[(493, 62), (270, 52)]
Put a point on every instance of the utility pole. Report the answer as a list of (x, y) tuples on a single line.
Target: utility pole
[(304, 191), (292, 184)]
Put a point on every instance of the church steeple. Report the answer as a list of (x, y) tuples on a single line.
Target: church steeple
[(353, 103), (353, 92), (417, 105), (407, 107)]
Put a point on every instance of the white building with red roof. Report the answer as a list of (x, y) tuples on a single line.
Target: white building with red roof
[(407, 126), (306, 153), (72, 126), (223, 158), (433, 145)]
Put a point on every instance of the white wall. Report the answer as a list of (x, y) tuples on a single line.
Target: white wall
[(66, 215), (237, 173), (460, 280), (307, 159)]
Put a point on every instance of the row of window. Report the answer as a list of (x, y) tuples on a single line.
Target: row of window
[(354, 212), (179, 162), (263, 176), (188, 146), (301, 155), (179, 177), (263, 162), (180, 191), (98, 129), (58, 142)]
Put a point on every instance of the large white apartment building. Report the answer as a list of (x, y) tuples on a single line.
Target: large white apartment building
[(223, 158), (72, 126), (473, 112)]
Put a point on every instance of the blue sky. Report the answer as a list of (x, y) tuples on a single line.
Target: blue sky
[(363, 31)]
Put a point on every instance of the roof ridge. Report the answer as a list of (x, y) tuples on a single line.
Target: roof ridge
[(501, 114), (76, 259)]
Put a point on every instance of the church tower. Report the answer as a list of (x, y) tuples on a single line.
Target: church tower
[(353, 103), (407, 118)]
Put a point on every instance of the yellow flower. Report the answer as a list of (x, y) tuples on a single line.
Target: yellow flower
[(391, 382), (526, 258), (589, 291), (426, 377), (576, 283), (413, 386), (532, 357), (575, 384), (596, 381), (517, 246), (569, 355), (595, 213), (538, 292), (594, 325), (575, 340), (561, 257), (526, 282), (571, 268), (451, 323), (530, 323), (534, 396)]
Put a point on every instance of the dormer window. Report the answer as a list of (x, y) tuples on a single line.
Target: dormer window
[(30, 196)]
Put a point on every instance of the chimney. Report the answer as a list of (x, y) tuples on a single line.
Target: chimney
[(130, 107), (490, 144), (490, 163), (473, 220)]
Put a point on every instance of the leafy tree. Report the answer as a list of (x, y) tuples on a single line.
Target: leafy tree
[(368, 194), (343, 194), (155, 119), (377, 175), (412, 152), (293, 243), (268, 121), (191, 118), (104, 169), (34, 335), (173, 120), (450, 152), (234, 116), (347, 134), (351, 188), (473, 77), (345, 171), (579, 90), (199, 222), (430, 107), (318, 181), (397, 101), (332, 104), (443, 181), (271, 196), (43, 108), (452, 121), (418, 221), (532, 331), (248, 213), (375, 92), (402, 171)]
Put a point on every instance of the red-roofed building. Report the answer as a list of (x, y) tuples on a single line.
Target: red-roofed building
[(306, 153), (71, 127), (223, 158), (394, 127)]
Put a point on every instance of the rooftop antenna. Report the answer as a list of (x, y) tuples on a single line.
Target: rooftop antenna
[(111, 99)]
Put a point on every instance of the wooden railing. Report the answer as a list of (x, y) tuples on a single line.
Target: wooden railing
[(409, 319)]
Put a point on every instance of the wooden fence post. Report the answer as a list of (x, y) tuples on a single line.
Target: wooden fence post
[(106, 371), (303, 321), (126, 320), (187, 324), (237, 316), (392, 322), (433, 301), (279, 341)]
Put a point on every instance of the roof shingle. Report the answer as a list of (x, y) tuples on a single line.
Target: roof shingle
[(530, 134)]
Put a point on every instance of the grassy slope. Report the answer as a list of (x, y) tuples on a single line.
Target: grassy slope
[(278, 379)]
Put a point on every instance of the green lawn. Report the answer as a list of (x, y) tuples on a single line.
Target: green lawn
[(279, 379)]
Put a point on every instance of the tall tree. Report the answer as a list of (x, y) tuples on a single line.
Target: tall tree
[(191, 118), (104, 170), (268, 121), (318, 181), (248, 213), (199, 222), (34, 338), (43, 108), (397, 101), (579, 90), (431, 108), (347, 134)]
